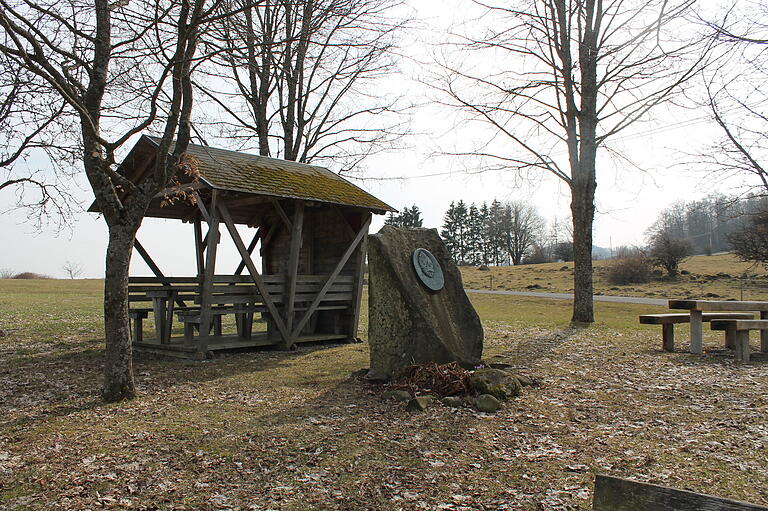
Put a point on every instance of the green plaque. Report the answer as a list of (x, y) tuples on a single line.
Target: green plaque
[(428, 269)]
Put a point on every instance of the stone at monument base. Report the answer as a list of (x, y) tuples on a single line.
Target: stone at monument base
[(408, 323)]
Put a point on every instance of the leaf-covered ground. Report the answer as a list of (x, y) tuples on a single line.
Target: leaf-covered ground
[(278, 430)]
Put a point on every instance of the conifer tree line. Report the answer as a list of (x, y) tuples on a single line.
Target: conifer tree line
[(503, 233), (408, 217)]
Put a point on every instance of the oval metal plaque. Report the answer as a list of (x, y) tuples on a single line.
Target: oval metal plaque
[(428, 269)]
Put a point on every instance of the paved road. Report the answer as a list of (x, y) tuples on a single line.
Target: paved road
[(569, 296)]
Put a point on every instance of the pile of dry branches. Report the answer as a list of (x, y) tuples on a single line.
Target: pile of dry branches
[(444, 380)]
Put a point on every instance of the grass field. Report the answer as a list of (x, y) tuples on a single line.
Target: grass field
[(718, 277), (293, 430)]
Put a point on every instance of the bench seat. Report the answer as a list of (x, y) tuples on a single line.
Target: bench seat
[(668, 321)]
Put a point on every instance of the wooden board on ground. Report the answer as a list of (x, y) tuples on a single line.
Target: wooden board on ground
[(617, 494)]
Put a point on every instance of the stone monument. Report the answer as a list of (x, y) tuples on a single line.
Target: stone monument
[(417, 309)]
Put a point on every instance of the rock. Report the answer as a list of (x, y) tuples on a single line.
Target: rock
[(396, 395), (409, 323), (452, 401), (419, 404), (533, 286), (483, 267), (498, 383), (487, 403), (525, 381)]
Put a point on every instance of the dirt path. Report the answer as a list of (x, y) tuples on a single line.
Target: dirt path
[(569, 296)]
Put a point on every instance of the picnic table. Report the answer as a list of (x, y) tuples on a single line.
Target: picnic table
[(697, 308)]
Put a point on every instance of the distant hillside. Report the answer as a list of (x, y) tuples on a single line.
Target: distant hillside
[(716, 276)]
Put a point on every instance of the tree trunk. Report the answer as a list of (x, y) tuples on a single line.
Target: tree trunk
[(118, 364), (583, 213)]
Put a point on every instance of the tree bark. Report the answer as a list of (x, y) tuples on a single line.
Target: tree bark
[(118, 364), (583, 214)]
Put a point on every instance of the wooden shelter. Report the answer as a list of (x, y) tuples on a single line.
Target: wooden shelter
[(310, 230)]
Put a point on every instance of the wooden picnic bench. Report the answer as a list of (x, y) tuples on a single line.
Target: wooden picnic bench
[(668, 322), (229, 294), (737, 334), (697, 308)]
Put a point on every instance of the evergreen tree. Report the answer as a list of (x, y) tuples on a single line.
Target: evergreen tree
[(449, 232), (409, 217)]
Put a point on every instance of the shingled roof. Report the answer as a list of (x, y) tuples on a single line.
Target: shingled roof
[(242, 172)]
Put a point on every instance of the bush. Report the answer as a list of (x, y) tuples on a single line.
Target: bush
[(668, 252), (630, 269), (28, 275)]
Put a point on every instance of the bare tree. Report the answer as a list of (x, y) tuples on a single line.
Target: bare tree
[(116, 65), (33, 122), (300, 78), (569, 75), (736, 96), (523, 227), (72, 269)]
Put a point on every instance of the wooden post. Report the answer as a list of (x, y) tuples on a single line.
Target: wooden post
[(742, 346), (292, 269), (764, 334), (255, 276), (358, 284), (697, 343), (329, 281), (668, 336), (199, 250), (206, 291)]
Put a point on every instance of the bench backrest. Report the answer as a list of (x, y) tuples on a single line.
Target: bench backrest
[(235, 289)]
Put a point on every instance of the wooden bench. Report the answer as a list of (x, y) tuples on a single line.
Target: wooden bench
[(137, 317), (737, 334), (668, 321), (617, 494)]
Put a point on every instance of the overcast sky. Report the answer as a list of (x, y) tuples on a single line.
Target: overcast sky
[(628, 199)]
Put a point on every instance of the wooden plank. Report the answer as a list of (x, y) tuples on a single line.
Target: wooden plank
[(741, 347), (617, 494), (254, 272), (697, 340), (251, 246), (162, 280), (661, 319), (764, 334), (718, 305), (206, 289), (271, 232), (339, 266), (292, 269), (344, 222)]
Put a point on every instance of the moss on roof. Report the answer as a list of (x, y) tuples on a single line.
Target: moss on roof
[(243, 172)]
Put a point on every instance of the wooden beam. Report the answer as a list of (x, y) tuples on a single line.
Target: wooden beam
[(292, 269), (358, 285), (251, 246), (281, 212), (206, 291), (617, 494), (199, 248), (329, 281), (152, 266), (201, 205), (255, 276)]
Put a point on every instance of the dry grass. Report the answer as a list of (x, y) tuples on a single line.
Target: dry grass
[(276, 430), (716, 277)]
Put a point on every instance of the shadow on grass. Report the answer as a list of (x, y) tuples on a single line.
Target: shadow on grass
[(525, 353), (40, 385)]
